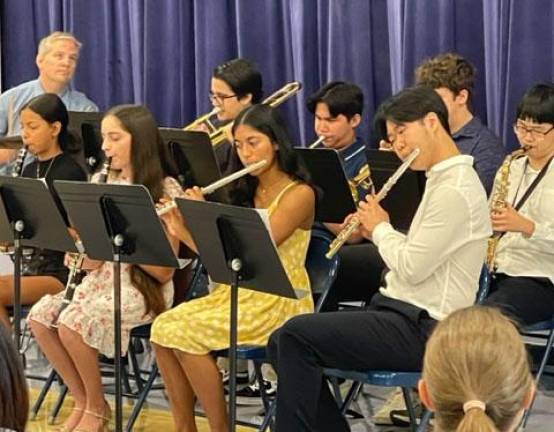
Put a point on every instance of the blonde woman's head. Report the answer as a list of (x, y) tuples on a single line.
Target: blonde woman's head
[(476, 373)]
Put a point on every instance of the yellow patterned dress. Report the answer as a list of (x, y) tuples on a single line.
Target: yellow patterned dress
[(202, 325)]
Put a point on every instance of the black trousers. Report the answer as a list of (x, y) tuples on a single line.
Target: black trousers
[(526, 299), (388, 335), (358, 276)]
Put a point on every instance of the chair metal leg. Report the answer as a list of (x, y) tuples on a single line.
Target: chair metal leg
[(544, 361), (410, 406), (350, 396), (58, 405), (269, 417), (142, 398), (42, 395), (425, 418)]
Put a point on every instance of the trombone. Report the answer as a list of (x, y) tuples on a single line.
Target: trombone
[(203, 120), (221, 134)]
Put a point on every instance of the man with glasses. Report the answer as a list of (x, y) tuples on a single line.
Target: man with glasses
[(453, 78), (434, 270), (524, 261), (236, 85)]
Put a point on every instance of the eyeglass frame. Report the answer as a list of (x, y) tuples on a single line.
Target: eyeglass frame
[(220, 98), (522, 130)]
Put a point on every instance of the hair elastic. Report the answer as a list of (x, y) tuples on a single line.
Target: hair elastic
[(474, 403)]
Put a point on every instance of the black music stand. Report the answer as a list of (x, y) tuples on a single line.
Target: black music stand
[(327, 174), (131, 232), (29, 217), (235, 246), (403, 200), (194, 157), (86, 125)]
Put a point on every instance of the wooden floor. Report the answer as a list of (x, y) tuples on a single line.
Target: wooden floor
[(150, 419)]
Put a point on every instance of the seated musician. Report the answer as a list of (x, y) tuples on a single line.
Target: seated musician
[(337, 109), (434, 270), (524, 261), (73, 339), (236, 85), (44, 122), (184, 336), (453, 78)]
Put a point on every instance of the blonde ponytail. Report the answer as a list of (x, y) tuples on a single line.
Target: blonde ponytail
[(476, 371)]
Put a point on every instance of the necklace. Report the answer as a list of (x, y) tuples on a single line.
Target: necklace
[(47, 169), (266, 190)]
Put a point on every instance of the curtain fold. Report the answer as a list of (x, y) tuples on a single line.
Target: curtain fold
[(162, 53)]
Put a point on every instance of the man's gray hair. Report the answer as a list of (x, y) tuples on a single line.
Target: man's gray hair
[(47, 42)]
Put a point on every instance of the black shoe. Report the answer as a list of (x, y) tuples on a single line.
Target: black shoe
[(251, 395)]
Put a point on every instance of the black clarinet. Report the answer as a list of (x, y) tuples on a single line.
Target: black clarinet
[(17, 169), (77, 263)]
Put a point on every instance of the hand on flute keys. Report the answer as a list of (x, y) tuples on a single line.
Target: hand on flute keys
[(370, 214)]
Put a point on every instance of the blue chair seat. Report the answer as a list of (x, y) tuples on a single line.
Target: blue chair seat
[(380, 378), (245, 352)]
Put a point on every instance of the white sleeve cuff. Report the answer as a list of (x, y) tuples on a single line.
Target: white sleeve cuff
[(380, 231)]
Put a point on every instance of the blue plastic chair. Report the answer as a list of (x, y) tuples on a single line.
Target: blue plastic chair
[(542, 326), (322, 273), (386, 378)]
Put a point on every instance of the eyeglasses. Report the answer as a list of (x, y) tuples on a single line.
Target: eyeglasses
[(521, 130), (219, 97)]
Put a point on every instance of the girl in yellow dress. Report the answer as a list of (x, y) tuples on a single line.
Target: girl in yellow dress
[(184, 337)]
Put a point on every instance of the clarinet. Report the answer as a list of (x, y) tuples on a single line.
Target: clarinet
[(77, 262), (17, 169)]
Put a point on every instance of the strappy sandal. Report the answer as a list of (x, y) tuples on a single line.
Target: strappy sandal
[(105, 417), (64, 427)]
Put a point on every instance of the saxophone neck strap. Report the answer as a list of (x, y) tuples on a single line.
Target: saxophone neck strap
[(533, 185)]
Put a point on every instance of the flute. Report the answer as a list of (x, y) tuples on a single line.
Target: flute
[(354, 223), (317, 142), (212, 187)]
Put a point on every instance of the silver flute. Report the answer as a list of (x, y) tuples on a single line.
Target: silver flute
[(212, 187), (354, 223)]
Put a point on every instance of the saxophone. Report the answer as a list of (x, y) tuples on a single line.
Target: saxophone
[(498, 201), (77, 262)]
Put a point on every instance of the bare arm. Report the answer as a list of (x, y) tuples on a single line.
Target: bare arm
[(295, 210)]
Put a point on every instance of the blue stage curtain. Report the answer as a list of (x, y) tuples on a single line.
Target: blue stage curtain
[(162, 52)]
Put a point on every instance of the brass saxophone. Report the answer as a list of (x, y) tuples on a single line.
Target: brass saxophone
[(77, 262), (498, 201)]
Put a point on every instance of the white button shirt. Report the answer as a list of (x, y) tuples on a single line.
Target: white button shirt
[(517, 254), (436, 266)]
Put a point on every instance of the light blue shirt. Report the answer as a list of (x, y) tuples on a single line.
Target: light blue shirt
[(13, 100)]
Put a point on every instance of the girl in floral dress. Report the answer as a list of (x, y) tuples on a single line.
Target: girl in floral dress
[(183, 337), (85, 328)]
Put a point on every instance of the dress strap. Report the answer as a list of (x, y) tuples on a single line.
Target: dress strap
[(276, 200)]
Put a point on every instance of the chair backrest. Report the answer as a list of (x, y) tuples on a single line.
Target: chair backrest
[(484, 285), (322, 271)]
